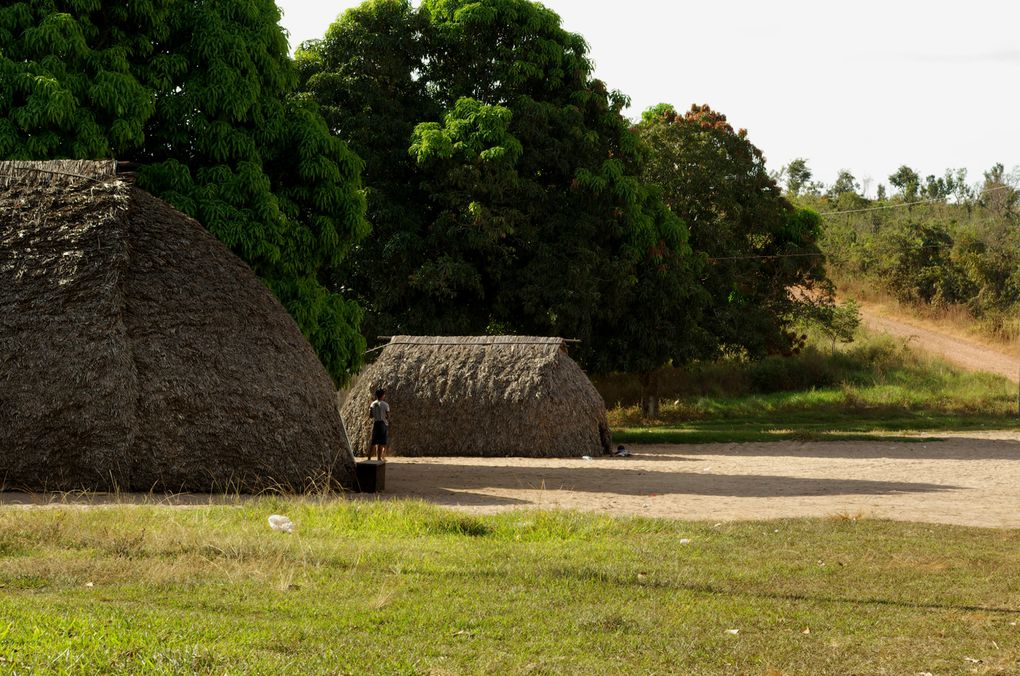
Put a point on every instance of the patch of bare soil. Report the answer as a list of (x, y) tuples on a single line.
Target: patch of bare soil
[(961, 350), (971, 480)]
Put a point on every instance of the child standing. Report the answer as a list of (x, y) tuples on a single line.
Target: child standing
[(379, 412)]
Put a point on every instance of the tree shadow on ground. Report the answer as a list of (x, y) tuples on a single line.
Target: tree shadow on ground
[(439, 496), (427, 480), (960, 448)]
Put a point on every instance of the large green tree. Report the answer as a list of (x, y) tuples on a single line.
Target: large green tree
[(999, 192), (907, 181), (760, 248), (366, 75), (797, 173), (504, 183), (201, 97), (69, 85)]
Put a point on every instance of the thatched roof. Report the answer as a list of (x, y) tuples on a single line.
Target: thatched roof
[(137, 352), (481, 396)]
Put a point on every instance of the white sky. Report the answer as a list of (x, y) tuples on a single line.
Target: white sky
[(866, 85)]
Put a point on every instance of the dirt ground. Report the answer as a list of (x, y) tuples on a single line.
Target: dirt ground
[(971, 479), (963, 351)]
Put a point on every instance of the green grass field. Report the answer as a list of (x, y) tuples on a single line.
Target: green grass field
[(823, 415), (873, 387), (405, 588)]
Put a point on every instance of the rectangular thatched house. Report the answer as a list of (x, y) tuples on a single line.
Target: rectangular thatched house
[(481, 396)]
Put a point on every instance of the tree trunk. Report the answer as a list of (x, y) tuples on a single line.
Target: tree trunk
[(650, 394)]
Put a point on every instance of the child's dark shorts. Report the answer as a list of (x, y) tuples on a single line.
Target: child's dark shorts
[(380, 432)]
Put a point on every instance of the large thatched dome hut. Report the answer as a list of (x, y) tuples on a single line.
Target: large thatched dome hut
[(481, 396), (137, 352)]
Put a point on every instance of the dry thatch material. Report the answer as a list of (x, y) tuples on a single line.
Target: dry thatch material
[(481, 396), (137, 352)]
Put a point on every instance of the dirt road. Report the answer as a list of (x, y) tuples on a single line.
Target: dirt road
[(971, 480), (958, 349)]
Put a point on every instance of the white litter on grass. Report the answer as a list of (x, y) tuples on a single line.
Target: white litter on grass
[(733, 631), (972, 660), (90, 585), (281, 523), (685, 541)]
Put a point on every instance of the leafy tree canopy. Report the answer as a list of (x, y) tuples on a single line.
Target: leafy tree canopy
[(201, 97), (758, 245), (504, 183), (960, 249), (845, 193), (999, 191), (907, 181), (798, 176), (845, 184)]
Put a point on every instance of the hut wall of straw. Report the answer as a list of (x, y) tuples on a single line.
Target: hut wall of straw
[(137, 352), (481, 396), (67, 385)]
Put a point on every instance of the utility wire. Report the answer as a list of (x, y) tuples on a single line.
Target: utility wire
[(886, 206), (765, 257), (849, 211), (904, 204), (804, 255), (710, 260)]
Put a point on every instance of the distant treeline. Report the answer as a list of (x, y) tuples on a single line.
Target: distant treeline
[(937, 243)]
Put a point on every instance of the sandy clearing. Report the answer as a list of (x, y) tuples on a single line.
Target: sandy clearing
[(960, 350), (971, 480)]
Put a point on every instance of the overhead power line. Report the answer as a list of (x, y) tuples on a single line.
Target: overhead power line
[(850, 211), (804, 255), (765, 257), (904, 205)]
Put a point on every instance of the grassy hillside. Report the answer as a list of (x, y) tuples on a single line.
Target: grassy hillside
[(875, 384), (937, 258)]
